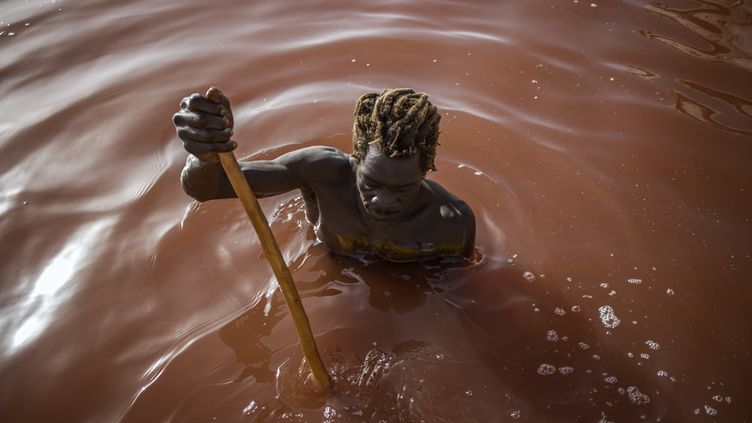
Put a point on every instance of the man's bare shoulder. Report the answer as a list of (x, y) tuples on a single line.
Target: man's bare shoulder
[(451, 207), (453, 212), (318, 162)]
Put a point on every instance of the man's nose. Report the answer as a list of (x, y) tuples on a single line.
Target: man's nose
[(383, 199)]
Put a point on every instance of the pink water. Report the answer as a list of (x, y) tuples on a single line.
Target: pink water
[(606, 148)]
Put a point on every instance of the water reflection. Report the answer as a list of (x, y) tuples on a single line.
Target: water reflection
[(52, 286), (725, 27)]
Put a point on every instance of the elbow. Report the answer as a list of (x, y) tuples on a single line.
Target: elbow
[(194, 190)]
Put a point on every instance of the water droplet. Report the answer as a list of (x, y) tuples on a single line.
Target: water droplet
[(468, 393), (604, 285), (434, 60), (576, 309), (637, 397), (552, 336), (593, 5), (662, 373), (529, 276), (611, 379), (559, 311), (515, 414), (645, 355), (608, 317), (669, 291), (353, 60), (710, 411), (546, 369), (634, 281), (718, 398), (584, 346)]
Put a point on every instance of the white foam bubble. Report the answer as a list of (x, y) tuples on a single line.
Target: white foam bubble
[(718, 398), (552, 336), (529, 276), (608, 317), (669, 291), (251, 408), (637, 397), (710, 411), (611, 379), (576, 309), (515, 414), (546, 369), (583, 345), (566, 370), (652, 345), (634, 281), (559, 311), (330, 414)]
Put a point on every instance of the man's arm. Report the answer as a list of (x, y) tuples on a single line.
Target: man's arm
[(300, 169), (204, 124)]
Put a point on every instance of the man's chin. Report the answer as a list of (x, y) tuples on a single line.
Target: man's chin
[(382, 215)]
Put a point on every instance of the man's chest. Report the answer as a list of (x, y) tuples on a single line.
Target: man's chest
[(343, 228)]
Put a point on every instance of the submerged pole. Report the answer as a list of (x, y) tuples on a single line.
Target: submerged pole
[(274, 256)]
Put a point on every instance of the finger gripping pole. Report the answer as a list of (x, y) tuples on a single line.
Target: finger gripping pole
[(274, 256)]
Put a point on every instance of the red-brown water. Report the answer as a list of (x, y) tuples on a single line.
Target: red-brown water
[(605, 147)]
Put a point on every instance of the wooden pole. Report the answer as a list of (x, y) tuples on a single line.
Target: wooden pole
[(274, 256)]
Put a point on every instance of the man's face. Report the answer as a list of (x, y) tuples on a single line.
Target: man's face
[(387, 185)]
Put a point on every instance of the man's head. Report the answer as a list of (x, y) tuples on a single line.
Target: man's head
[(395, 135), (400, 122)]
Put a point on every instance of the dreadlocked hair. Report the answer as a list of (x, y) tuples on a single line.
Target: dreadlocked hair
[(400, 121)]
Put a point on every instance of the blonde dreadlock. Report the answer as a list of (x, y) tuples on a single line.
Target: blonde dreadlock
[(400, 121)]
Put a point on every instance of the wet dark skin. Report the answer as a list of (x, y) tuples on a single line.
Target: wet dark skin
[(378, 205)]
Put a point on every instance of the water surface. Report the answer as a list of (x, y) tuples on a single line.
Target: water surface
[(604, 146)]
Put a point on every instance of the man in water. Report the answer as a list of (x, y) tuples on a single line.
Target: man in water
[(374, 201)]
